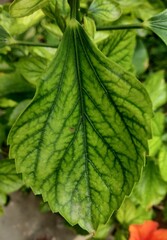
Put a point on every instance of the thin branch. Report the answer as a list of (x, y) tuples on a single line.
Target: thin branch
[(118, 27), (32, 44)]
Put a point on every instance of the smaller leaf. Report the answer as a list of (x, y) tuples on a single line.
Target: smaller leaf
[(146, 9), (4, 37), (140, 58), (151, 188), (31, 68), (157, 89), (10, 180), (53, 29), (163, 162), (16, 26), (157, 131), (103, 231), (56, 5), (13, 83), (5, 102), (22, 8), (3, 198), (158, 24), (130, 213), (89, 26), (18, 110), (119, 47), (104, 10)]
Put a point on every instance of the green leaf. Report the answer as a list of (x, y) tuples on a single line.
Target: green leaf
[(22, 8), (157, 132), (158, 24), (129, 213), (146, 10), (5, 102), (4, 37), (163, 162), (3, 198), (157, 88), (52, 28), (10, 180), (82, 140), (89, 26), (32, 67), (61, 6), (15, 26), (104, 10), (119, 47), (103, 231), (151, 189), (140, 58), (18, 110), (13, 83)]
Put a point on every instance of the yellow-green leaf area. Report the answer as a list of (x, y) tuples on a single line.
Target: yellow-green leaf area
[(106, 11), (82, 140), (119, 46), (22, 8)]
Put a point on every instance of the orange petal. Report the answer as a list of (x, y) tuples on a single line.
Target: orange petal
[(143, 231), (160, 234)]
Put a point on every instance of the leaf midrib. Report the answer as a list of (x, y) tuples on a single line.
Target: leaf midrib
[(82, 112)]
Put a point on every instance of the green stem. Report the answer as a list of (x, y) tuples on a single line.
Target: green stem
[(117, 27), (75, 5), (32, 44)]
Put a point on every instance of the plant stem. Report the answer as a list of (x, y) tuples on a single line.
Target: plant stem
[(33, 44), (117, 27), (75, 5)]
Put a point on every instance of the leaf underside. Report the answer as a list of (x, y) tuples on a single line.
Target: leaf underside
[(81, 142)]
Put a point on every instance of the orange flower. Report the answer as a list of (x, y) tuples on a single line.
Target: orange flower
[(147, 231)]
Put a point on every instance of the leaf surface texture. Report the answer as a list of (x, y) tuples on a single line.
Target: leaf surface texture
[(81, 142)]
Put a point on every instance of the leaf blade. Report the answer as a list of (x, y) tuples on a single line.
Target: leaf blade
[(22, 8), (158, 24), (119, 47), (82, 106), (107, 11)]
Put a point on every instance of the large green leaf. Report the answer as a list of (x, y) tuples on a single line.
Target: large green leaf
[(119, 47), (22, 8), (82, 140)]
